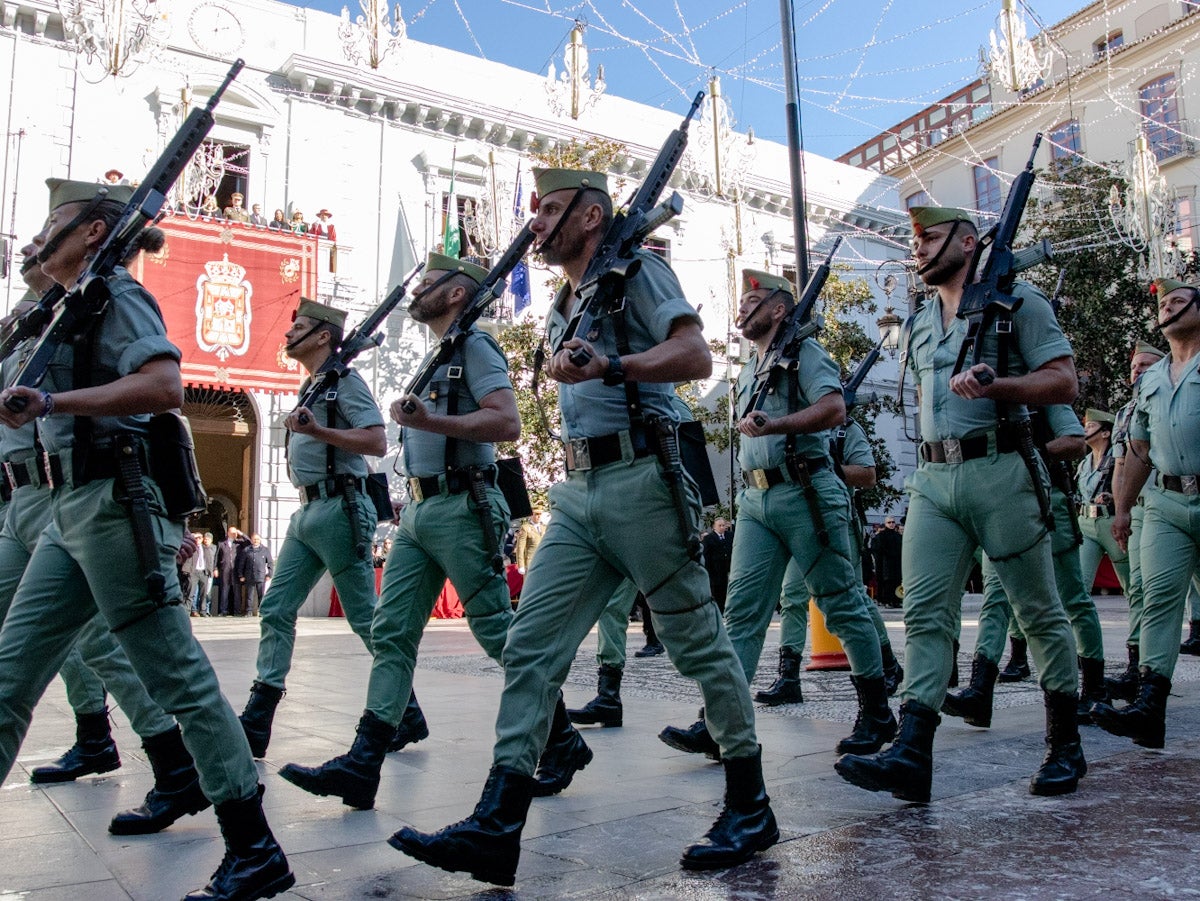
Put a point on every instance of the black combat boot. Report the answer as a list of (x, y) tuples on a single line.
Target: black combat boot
[(487, 844), (176, 791), (974, 703), (412, 728), (1091, 689), (1063, 766), (694, 739), (565, 754), (893, 672), (254, 864), (353, 777), (258, 716), (1145, 720), (605, 709), (94, 751), (1017, 668), (1125, 686), (954, 664), (906, 768), (786, 688), (875, 725), (1191, 647), (746, 824)]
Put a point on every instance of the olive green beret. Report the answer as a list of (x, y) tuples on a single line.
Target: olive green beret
[(322, 313), (439, 262), (1093, 415), (1144, 347), (924, 217), (1164, 286), (753, 279), (550, 180), (63, 190)]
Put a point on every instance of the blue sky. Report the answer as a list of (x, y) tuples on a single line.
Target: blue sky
[(863, 64)]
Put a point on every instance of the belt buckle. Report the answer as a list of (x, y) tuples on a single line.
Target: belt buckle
[(1188, 485), (48, 470), (758, 478), (579, 456), (10, 476), (952, 449), (414, 490)]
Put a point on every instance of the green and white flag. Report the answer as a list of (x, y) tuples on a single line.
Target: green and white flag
[(451, 244)]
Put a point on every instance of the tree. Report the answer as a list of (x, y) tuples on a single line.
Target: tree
[(1105, 308), (541, 455)]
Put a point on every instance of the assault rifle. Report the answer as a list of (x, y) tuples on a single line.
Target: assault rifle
[(365, 334), (492, 287), (800, 324), (88, 297), (32, 322), (850, 389), (602, 287)]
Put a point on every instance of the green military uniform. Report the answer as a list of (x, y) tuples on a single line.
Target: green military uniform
[(775, 525), (1094, 480), (440, 534), (1133, 583), (995, 616), (1168, 417), (88, 542), (855, 450), (600, 519), (320, 535)]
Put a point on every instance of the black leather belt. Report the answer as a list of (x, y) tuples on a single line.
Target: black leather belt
[(1097, 511), (959, 450), (1189, 485), (589, 453), (331, 487), (777, 475), (17, 475), (457, 481)]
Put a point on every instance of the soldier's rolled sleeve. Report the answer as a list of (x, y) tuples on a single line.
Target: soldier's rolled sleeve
[(1039, 336)]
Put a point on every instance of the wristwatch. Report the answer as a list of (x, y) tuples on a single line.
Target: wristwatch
[(616, 373)]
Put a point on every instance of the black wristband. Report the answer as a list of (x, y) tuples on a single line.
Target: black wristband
[(616, 373)]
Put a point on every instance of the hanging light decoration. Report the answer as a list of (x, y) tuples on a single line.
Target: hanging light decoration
[(373, 35), (1012, 60), (114, 36), (718, 158), (573, 92), (1145, 218)]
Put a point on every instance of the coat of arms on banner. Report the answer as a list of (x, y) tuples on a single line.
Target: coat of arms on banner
[(223, 309)]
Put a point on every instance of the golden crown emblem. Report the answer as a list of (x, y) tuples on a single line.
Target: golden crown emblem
[(224, 271)]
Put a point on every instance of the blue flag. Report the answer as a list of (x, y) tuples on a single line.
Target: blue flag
[(518, 283)]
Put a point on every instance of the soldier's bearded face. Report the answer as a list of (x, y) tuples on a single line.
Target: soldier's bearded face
[(429, 303), (926, 247)]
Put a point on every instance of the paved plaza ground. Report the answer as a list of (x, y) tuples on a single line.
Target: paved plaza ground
[(1132, 831)]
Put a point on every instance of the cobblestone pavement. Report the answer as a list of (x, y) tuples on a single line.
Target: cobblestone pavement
[(1131, 831)]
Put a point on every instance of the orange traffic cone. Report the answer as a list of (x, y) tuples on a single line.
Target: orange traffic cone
[(827, 653)]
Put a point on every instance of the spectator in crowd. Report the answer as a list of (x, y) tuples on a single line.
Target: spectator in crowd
[(188, 567), (323, 227), (203, 574), (886, 549), (254, 571), (298, 225), (256, 216), (279, 222), (236, 211), (718, 548), (210, 209)]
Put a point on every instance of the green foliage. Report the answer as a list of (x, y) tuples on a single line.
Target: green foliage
[(1105, 308), (540, 454)]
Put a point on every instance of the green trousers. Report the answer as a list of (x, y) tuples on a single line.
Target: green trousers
[(995, 617), (90, 543), (607, 524), (95, 661), (954, 508), (1133, 590), (793, 605), (439, 538), (1098, 541), (613, 626), (318, 538), (1170, 552), (774, 527)]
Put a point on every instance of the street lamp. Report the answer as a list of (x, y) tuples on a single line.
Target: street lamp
[(1146, 215), (373, 35), (890, 326), (573, 92), (114, 36), (1012, 60)]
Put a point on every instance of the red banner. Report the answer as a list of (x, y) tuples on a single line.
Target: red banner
[(227, 293)]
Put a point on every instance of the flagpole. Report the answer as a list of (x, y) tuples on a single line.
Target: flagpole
[(787, 22)]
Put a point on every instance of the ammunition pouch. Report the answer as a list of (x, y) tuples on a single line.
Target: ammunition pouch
[(511, 482), (172, 458), (380, 495)]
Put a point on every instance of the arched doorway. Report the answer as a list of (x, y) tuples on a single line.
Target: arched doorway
[(225, 429)]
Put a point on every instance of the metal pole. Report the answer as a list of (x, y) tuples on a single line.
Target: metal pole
[(787, 24)]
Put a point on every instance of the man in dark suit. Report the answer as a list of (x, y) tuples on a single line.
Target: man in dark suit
[(886, 547), (254, 568), (225, 572), (718, 546)]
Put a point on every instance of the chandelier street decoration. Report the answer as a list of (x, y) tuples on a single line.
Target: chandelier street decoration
[(1145, 218), (114, 36), (1012, 60), (373, 35), (718, 158), (573, 92)]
